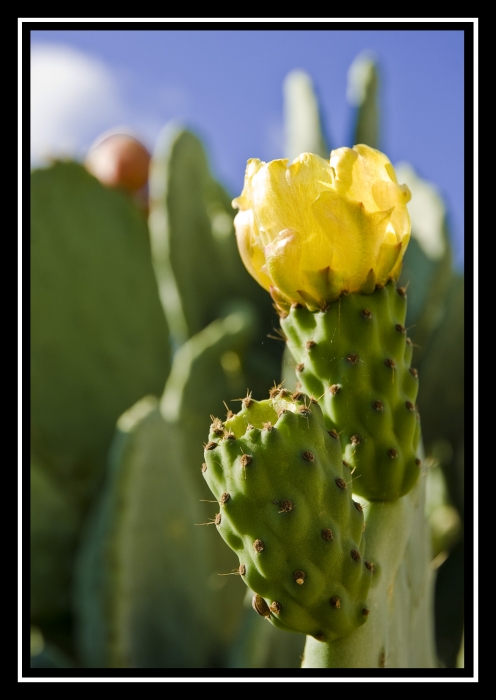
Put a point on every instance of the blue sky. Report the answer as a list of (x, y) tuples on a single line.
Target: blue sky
[(226, 85)]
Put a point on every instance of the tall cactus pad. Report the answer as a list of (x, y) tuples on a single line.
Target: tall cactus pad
[(303, 123), (142, 595), (99, 342), (191, 225), (363, 84), (99, 339), (355, 358), (287, 511)]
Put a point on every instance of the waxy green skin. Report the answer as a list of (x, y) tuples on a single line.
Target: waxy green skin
[(355, 358), (283, 500)]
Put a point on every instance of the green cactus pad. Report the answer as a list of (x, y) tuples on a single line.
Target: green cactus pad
[(192, 233), (195, 255), (99, 339), (287, 511), (355, 359), (363, 88), (427, 268), (54, 525), (148, 590), (142, 593), (99, 342), (302, 117)]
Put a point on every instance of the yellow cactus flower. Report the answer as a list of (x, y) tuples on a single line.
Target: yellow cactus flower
[(313, 230)]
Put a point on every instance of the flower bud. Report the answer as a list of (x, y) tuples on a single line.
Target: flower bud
[(313, 230)]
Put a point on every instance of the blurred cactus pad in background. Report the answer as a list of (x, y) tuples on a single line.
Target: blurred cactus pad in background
[(145, 327)]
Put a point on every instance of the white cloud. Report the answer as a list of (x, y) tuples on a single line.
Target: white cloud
[(73, 98)]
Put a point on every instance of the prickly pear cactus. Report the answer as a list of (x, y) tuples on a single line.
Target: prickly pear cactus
[(154, 585), (99, 342), (148, 589), (99, 338), (346, 331), (303, 124), (286, 510), (362, 93), (142, 573), (436, 315), (429, 279), (191, 224), (355, 359), (54, 525), (192, 234), (428, 265)]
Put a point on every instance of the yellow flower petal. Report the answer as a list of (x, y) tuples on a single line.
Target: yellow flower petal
[(325, 284), (283, 258), (388, 256), (251, 253), (314, 229)]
